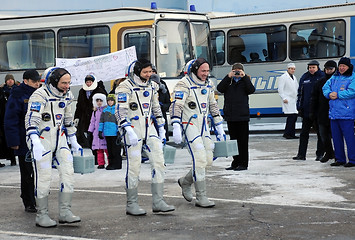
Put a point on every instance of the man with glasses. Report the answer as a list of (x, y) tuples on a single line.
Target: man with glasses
[(49, 123)]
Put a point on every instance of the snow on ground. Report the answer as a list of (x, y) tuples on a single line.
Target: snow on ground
[(279, 181)]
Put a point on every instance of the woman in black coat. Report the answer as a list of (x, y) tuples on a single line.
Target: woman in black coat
[(237, 87), (84, 108)]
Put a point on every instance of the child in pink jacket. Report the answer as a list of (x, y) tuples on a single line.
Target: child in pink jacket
[(99, 102)]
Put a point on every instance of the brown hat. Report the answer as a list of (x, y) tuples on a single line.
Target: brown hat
[(8, 77), (238, 66)]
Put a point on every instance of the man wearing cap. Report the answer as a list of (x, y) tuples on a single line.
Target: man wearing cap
[(236, 87), (84, 108), (137, 101), (16, 133), (5, 91), (193, 101), (49, 127), (340, 89), (319, 111), (305, 88), (287, 88)]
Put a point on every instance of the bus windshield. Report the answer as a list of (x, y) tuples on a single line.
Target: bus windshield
[(199, 35), (175, 46)]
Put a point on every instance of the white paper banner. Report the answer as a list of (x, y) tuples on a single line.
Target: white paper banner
[(105, 67)]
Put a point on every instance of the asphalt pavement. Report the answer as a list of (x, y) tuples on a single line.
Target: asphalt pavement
[(276, 198)]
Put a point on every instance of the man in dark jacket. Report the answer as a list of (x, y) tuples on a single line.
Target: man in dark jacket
[(5, 91), (237, 87), (84, 108), (305, 88), (16, 133), (319, 111)]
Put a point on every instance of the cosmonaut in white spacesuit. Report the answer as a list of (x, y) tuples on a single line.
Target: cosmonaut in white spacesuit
[(49, 122), (193, 101), (137, 101)]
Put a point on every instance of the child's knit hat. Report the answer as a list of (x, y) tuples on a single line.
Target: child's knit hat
[(111, 97)]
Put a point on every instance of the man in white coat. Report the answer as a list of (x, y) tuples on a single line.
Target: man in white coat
[(287, 89)]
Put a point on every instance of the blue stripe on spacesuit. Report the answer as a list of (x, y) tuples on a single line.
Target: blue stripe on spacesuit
[(195, 138), (29, 119), (127, 158), (153, 136), (198, 103), (45, 153), (203, 126), (36, 173), (193, 159)]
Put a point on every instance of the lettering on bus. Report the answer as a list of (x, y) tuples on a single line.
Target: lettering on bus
[(264, 83)]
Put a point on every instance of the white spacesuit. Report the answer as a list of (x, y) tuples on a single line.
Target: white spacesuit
[(137, 101), (48, 124), (193, 101)]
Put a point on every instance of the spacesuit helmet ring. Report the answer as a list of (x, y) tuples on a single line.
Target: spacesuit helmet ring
[(52, 76)]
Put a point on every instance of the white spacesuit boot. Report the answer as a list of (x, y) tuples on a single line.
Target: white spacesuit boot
[(42, 218), (132, 207), (65, 214), (201, 198), (186, 184), (159, 205)]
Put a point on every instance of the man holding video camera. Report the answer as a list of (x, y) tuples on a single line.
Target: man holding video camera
[(236, 87)]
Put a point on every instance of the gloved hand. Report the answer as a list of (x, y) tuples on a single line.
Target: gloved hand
[(221, 134), (74, 144), (132, 136), (101, 135), (37, 148), (177, 133), (162, 133), (76, 122)]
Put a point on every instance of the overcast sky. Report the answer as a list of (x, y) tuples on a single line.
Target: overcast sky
[(25, 7)]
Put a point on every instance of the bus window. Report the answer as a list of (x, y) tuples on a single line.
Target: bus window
[(141, 40), (317, 40), (218, 53), (83, 42), (27, 50), (173, 50), (264, 44), (199, 36)]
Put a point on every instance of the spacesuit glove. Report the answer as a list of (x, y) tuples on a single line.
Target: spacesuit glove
[(221, 134), (37, 147), (76, 122), (132, 136), (177, 133), (162, 133), (74, 144)]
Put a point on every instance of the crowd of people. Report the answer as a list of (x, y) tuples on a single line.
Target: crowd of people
[(324, 101), (131, 121)]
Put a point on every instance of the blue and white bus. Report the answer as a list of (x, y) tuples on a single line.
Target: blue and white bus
[(168, 38), (266, 42)]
